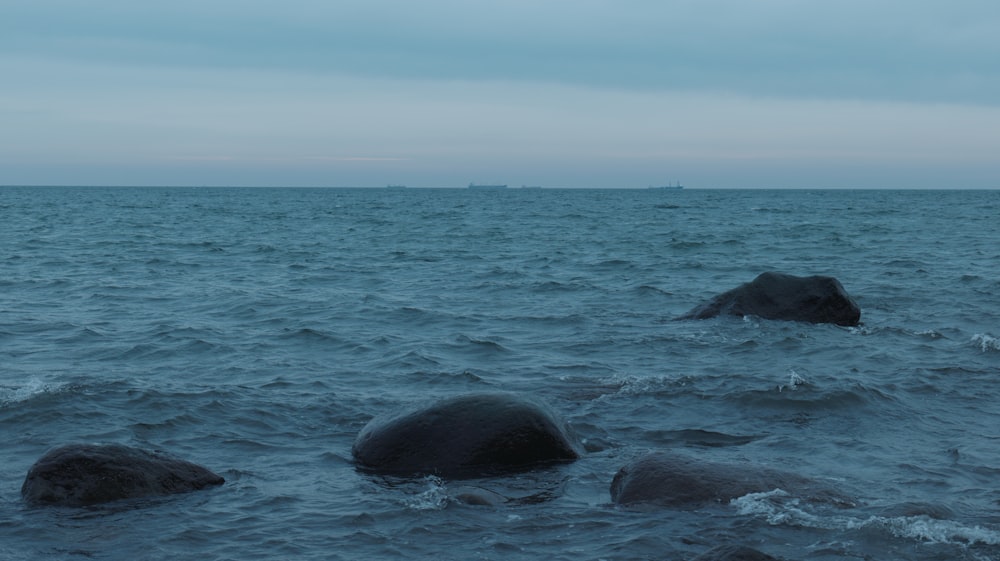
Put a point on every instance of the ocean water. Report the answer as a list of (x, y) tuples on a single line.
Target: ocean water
[(256, 331)]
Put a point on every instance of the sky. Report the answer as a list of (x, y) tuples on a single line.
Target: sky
[(555, 93)]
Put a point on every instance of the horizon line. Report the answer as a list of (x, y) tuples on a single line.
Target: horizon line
[(465, 187)]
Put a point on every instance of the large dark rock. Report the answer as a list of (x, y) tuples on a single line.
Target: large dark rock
[(787, 297), (87, 474), (465, 437), (673, 480), (734, 553)]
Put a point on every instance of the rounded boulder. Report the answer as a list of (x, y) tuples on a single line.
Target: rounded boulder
[(465, 437), (88, 474)]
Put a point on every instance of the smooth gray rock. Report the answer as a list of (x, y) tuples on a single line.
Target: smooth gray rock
[(781, 296), (465, 437), (88, 474)]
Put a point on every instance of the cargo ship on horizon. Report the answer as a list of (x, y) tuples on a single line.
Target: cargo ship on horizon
[(676, 186)]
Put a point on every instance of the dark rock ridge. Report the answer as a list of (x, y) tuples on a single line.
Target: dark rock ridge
[(465, 437), (673, 480), (88, 474), (781, 296)]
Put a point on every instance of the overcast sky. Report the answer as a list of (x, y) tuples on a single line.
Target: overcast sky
[(576, 93)]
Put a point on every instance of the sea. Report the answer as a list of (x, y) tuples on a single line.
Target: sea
[(255, 331)]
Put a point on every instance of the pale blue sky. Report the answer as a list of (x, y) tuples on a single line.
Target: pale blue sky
[(581, 93)]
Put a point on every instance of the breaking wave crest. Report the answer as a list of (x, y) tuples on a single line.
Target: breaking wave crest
[(780, 508), (31, 387), (987, 343)]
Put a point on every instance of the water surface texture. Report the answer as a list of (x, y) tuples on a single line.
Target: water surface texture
[(256, 331)]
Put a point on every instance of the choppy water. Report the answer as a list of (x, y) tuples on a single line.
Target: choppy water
[(255, 331)]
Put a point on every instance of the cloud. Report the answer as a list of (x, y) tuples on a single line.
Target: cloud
[(351, 130), (912, 51), (581, 93)]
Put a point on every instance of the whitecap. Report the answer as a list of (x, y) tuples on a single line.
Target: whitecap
[(780, 508), (927, 529), (862, 330), (794, 381), (633, 385), (986, 342), (32, 387), (636, 385)]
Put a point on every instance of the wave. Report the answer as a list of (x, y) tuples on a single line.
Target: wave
[(649, 290), (446, 379), (163, 352), (631, 385), (925, 334), (31, 388), (927, 529), (412, 358), (309, 335), (986, 342), (704, 438), (483, 344), (795, 392), (780, 508), (433, 497), (799, 394), (551, 286), (686, 245)]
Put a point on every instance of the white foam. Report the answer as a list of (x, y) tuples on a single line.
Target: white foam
[(986, 342), (633, 385), (931, 530), (435, 497), (862, 330), (780, 508), (32, 387), (794, 381)]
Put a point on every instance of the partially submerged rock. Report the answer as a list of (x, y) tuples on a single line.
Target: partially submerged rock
[(674, 480), (734, 553), (88, 474), (465, 437), (772, 295)]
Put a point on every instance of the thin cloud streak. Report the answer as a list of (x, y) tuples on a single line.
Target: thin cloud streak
[(889, 50)]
